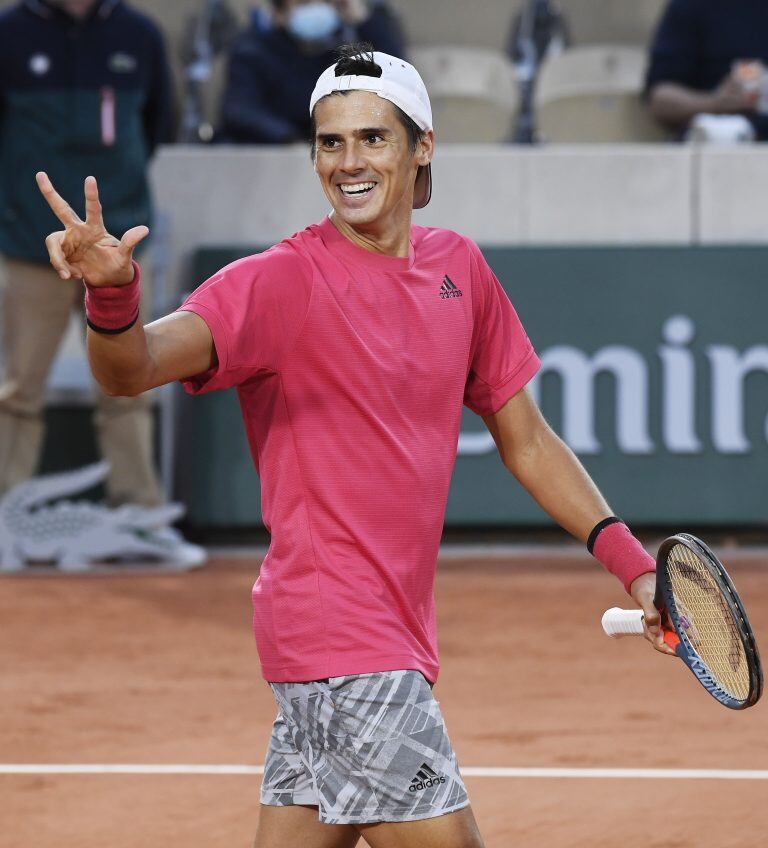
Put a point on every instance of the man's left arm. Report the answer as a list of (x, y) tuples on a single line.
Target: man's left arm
[(551, 473)]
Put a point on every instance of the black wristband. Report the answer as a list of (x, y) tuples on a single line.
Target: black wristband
[(106, 332), (598, 528)]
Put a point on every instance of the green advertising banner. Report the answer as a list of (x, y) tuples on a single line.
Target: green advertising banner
[(654, 370)]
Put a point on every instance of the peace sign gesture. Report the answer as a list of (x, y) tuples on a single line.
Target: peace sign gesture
[(84, 249)]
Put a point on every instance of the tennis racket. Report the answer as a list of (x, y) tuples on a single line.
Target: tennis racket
[(711, 634)]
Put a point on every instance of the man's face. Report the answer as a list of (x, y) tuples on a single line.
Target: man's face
[(364, 161)]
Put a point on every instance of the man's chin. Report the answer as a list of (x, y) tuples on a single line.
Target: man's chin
[(356, 217)]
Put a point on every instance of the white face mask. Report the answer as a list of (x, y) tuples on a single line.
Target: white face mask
[(313, 21)]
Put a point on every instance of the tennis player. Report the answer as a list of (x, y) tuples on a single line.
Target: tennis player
[(353, 345)]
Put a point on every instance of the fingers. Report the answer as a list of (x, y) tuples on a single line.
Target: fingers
[(654, 631), (133, 237), (93, 214), (61, 209), (58, 259)]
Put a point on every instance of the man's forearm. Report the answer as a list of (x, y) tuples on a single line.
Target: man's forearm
[(172, 348), (551, 473), (121, 364), (675, 105)]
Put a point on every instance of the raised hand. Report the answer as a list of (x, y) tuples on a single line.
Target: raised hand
[(84, 249)]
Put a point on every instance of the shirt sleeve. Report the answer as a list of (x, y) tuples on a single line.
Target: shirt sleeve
[(502, 358), (255, 309), (676, 47)]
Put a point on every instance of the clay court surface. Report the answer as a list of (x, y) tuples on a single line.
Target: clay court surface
[(161, 669)]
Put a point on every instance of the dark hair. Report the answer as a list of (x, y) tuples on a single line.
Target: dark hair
[(356, 59)]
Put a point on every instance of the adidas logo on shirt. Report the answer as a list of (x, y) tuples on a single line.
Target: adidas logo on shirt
[(425, 777), (449, 289)]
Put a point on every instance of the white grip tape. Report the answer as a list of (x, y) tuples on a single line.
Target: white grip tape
[(621, 622)]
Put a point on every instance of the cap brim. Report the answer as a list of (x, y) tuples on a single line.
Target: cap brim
[(423, 189)]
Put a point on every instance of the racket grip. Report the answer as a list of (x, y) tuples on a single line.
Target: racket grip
[(621, 622)]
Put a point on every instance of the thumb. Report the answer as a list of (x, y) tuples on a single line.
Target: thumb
[(652, 619), (131, 238)]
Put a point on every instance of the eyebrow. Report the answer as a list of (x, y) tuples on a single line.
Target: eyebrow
[(359, 133)]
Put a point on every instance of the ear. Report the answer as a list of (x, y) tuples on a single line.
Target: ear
[(425, 148)]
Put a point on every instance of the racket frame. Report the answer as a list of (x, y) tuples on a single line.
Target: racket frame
[(665, 601)]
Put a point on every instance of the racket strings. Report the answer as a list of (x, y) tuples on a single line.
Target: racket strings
[(707, 622)]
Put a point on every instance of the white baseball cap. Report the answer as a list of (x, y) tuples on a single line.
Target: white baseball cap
[(401, 84)]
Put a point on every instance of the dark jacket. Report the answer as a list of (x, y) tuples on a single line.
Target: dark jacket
[(77, 98), (698, 41), (271, 79)]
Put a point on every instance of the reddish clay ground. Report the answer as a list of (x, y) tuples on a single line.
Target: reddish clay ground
[(161, 669)]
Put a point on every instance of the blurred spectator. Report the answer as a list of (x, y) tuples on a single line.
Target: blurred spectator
[(208, 34), (539, 32), (84, 89), (709, 57), (272, 73)]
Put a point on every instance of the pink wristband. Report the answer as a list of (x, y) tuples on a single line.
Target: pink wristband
[(113, 309), (621, 553)]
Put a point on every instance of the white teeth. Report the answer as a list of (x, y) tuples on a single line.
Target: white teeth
[(357, 188)]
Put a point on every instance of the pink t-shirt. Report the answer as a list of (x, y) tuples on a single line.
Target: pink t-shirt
[(351, 368)]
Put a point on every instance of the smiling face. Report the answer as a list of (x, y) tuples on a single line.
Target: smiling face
[(367, 168)]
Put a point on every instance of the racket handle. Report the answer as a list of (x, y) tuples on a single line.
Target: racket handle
[(621, 622)]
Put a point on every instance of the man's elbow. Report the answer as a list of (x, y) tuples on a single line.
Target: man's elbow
[(115, 388)]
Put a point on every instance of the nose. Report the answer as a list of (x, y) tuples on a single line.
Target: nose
[(352, 161)]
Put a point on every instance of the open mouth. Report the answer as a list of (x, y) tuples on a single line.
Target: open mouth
[(357, 189)]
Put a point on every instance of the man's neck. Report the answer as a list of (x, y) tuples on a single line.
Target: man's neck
[(394, 243)]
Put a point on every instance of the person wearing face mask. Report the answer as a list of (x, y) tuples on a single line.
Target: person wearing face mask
[(264, 105)]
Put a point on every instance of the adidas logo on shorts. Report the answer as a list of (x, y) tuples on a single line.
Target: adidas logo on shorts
[(425, 777)]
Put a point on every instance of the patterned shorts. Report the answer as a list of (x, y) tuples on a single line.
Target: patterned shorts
[(362, 748)]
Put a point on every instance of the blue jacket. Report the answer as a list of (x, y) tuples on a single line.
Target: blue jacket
[(77, 98), (698, 41), (271, 79)]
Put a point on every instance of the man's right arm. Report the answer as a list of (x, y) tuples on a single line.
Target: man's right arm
[(675, 105), (125, 357), (173, 348)]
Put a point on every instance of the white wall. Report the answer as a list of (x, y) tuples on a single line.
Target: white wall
[(580, 195), (609, 195)]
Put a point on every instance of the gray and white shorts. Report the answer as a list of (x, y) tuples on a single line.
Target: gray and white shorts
[(362, 748)]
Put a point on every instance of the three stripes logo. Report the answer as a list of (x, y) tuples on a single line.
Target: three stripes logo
[(425, 777), (449, 289)]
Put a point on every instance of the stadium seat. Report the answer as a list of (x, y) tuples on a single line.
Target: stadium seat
[(485, 24), (593, 94), (473, 92), (612, 21)]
